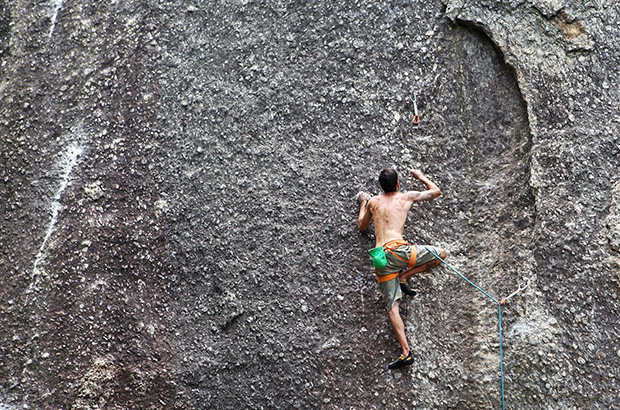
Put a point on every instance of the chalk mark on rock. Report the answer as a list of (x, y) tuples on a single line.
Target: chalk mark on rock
[(66, 163)]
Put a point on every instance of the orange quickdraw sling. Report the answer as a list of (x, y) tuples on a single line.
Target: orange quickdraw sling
[(390, 246)]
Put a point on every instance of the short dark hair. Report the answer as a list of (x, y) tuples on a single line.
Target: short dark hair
[(388, 178)]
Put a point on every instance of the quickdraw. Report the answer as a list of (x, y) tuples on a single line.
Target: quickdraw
[(521, 288), (413, 99)]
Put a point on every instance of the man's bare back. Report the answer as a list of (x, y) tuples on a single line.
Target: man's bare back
[(389, 210)]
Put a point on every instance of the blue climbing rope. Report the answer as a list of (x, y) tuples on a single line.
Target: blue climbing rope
[(499, 310)]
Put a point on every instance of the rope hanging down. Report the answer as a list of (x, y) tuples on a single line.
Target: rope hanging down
[(522, 287)]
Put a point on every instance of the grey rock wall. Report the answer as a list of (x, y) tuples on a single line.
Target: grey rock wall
[(566, 73), (178, 213)]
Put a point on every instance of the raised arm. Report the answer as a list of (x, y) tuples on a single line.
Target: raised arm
[(432, 192), (363, 219)]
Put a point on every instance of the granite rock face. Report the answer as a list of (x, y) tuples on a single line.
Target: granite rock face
[(178, 207)]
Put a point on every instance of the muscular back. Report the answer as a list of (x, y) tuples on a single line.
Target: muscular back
[(389, 212)]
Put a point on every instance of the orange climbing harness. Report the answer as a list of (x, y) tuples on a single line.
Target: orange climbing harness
[(390, 246)]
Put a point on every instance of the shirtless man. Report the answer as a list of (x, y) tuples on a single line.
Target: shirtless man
[(403, 260)]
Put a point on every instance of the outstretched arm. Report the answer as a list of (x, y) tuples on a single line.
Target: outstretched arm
[(432, 192), (363, 219)]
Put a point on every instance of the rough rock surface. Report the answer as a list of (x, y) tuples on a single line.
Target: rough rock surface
[(178, 209)]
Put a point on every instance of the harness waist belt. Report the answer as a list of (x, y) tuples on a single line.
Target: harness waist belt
[(385, 278)]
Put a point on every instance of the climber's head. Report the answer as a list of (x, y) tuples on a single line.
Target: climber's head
[(388, 178)]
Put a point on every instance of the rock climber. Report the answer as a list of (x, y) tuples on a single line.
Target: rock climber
[(394, 259)]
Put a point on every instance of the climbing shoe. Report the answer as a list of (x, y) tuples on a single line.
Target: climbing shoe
[(404, 286), (401, 361)]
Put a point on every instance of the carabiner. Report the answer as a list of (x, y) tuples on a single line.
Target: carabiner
[(521, 288)]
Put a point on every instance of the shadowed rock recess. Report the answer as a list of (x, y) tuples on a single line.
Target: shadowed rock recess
[(178, 209)]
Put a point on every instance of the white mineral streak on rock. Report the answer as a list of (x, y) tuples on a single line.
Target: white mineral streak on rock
[(66, 164), (55, 6)]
